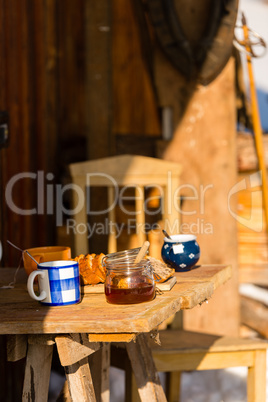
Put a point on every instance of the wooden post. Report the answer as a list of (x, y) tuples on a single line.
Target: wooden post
[(112, 240), (256, 381), (204, 143), (144, 369), (16, 347), (98, 78), (75, 353), (80, 381), (37, 372), (140, 214)]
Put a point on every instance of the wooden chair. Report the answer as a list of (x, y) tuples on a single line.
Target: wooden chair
[(138, 172), (187, 351)]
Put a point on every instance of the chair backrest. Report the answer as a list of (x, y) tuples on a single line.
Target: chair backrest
[(125, 171)]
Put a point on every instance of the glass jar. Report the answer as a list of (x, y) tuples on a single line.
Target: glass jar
[(128, 282)]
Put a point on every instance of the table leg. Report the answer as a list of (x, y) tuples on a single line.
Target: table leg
[(37, 373), (99, 363), (80, 381), (144, 369), (16, 347), (105, 372), (131, 393), (74, 352)]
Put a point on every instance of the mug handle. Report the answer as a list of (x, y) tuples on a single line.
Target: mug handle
[(30, 282)]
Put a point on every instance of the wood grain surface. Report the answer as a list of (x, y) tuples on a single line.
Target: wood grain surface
[(19, 314)]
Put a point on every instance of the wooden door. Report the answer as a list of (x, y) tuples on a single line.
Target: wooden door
[(27, 76)]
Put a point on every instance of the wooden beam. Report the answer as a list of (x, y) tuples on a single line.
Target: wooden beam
[(144, 369), (37, 373), (16, 347), (80, 381), (255, 315), (135, 109), (74, 347), (98, 82)]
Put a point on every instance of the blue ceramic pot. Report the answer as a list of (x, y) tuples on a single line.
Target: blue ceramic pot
[(181, 252)]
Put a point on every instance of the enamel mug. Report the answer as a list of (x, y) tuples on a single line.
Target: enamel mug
[(58, 283)]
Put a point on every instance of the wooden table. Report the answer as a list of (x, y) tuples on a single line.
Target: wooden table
[(83, 329)]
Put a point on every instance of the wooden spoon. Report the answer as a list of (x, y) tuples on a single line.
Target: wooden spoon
[(142, 252)]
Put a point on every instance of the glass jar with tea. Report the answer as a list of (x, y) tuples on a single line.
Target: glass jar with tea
[(127, 281)]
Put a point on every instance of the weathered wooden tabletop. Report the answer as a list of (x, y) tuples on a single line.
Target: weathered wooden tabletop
[(19, 314)]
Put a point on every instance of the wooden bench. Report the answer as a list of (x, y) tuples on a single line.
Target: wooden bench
[(187, 351)]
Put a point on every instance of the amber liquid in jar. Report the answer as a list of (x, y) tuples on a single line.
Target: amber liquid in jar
[(142, 293), (128, 282)]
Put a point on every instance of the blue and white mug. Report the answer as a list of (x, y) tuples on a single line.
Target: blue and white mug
[(181, 252), (58, 282)]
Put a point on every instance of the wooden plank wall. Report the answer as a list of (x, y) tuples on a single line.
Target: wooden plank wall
[(98, 80), (42, 78), (56, 57), (28, 94), (135, 108), (71, 56)]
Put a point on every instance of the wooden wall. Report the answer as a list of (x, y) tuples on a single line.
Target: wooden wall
[(28, 86), (135, 108), (72, 93), (42, 72)]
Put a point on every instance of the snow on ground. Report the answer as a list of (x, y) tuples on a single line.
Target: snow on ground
[(199, 386), (215, 386)]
